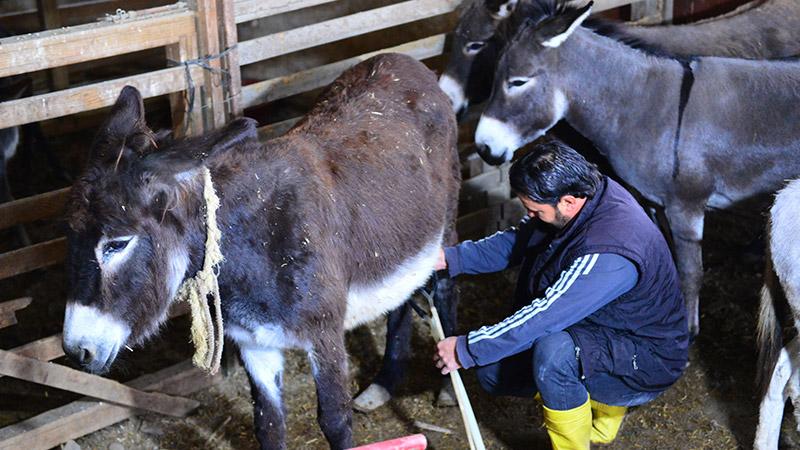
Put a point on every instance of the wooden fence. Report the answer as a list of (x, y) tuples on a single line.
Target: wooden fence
[(200, 36)]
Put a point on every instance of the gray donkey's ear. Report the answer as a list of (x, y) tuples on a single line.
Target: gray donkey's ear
[(500, 9), (554, 32)]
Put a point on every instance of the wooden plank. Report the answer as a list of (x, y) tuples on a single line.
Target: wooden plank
[(94, 96), (44, 349), (49, 18), (9, 308), (85, 416), (282, 87), (37, 207), (62, 377), (247, 10), (27, 21), (301, 38), (32, 257), (61, 47)]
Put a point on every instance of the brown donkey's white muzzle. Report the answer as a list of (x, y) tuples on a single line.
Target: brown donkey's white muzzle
[(92, 338)]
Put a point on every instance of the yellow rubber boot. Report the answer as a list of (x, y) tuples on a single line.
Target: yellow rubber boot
[(606, 420), (570, 429)]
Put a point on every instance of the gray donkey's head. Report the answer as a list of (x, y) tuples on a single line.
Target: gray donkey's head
[(528, 95), (468, 75), (135, 231)]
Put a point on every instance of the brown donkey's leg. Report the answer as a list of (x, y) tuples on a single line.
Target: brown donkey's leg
[(334, 410), (264, 368)]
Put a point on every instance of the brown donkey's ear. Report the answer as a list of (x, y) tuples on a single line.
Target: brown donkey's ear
[(553, 32), (179, 162), (125, 133)]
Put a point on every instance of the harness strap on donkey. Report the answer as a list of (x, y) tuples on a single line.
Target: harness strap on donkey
[(207, 334)]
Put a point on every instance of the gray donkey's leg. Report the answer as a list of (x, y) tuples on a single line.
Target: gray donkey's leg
[(686, 224), (782, 384)]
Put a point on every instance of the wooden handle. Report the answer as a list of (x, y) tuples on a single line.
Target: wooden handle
[(470, 424)]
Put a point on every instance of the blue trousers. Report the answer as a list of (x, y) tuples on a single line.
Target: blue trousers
[(552, 368)]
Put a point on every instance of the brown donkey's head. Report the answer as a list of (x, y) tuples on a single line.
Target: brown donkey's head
[(135, 230)]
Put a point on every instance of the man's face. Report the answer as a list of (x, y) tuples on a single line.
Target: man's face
[(553, 215)]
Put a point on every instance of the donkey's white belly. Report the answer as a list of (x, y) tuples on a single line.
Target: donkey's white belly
[(366, 302)]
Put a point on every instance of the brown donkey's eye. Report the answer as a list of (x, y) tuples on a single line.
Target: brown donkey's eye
[(112, 247)]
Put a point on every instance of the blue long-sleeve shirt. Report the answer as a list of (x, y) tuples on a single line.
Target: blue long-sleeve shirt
[(590, 282)]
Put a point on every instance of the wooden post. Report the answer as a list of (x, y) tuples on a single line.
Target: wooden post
[(49, 19), (233, 87), (182, 124), (208, 43)]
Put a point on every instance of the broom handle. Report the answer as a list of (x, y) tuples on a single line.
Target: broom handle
[(470, 424)]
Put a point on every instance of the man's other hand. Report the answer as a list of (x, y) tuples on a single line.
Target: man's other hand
[(445, 355), (441, 264)]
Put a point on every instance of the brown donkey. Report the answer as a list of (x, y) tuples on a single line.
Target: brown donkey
[(331, 225)]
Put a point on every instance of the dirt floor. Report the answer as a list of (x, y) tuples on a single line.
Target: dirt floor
[(714, 405)]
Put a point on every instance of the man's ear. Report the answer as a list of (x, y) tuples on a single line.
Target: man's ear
[(555, 31)]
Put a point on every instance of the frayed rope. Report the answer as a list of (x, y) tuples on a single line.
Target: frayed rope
[(207, 333)]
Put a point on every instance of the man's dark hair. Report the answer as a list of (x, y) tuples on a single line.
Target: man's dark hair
[(551, 171)]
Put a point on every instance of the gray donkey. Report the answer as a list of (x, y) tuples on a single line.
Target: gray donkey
[(757, 30), (686, 134), (779, 365)]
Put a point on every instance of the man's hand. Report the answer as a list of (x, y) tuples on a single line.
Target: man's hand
[(445, 355), (441, 264)]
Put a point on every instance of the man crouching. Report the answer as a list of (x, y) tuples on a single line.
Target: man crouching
[(600, 322)]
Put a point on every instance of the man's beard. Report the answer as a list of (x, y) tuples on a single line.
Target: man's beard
[(560, 220)]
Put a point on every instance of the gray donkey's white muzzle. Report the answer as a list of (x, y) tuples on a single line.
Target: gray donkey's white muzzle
[(498, 140)]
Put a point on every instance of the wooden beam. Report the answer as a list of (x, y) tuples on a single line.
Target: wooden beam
[(286, 86), (62, 377), (56, 48), (79, 418), (94, 96), (37, 207), (301, 38), (247, 10), (32, 257), (9, 308), (27, 21)]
